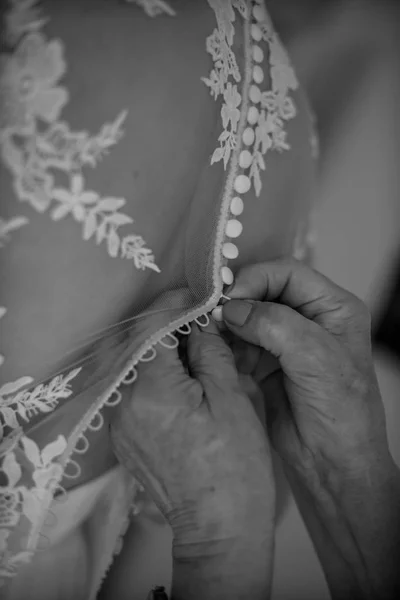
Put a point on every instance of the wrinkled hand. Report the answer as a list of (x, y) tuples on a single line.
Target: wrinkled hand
[(322, 396), (193, 439)]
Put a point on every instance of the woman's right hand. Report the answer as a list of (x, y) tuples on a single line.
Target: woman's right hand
[(192, 438), (324, 409)]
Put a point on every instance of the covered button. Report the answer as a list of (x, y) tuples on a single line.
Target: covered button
[(255, 94), (259, 13), (217, 314), (237, 206), (258, 74), (233, 228), (248, 136), (227, 275), (252, 115), (256, 33), (245, 159), (242, 184), (258, 54), (230, 251)]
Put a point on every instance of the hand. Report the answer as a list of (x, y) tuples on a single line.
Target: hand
[(324, 395), (194, 441)]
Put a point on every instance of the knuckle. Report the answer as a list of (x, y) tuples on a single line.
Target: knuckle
[(212, 347), (356, 379), (267, 312), (262, 318), (354, 303), (317, 350), (359, 385), (281, 324), (358, 311), (221, 352), (265, 318)]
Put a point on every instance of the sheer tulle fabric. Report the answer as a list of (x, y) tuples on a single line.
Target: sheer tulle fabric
[(44, 425)]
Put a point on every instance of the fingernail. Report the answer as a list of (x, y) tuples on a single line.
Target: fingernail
[(236, 312), (211, 328)]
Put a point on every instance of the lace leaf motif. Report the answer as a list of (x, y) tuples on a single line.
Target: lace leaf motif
[(17, 501), (17, 402), (21, 458), (37, 146)]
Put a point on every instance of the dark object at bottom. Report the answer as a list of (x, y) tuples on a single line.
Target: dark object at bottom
[(387, 331), (158, 593)]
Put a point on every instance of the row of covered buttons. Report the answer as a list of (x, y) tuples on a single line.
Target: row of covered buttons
[(242, 182)]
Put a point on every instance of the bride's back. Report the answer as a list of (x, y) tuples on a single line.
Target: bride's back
[(116, 180), (108, 131), (113, 61)]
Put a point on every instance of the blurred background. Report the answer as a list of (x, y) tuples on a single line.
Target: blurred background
[(347, 54)]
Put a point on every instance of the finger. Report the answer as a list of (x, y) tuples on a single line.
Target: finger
[(267, 365), (212, 363), (161, 357), (293, 284), (246, 355), (164, 371), (209, 356), (276, 404), (255, 395), (278, 329)]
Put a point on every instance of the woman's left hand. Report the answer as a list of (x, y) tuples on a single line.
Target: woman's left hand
[(195, 442)]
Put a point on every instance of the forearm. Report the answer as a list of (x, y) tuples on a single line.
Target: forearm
[(237, 569), (355, 526), (230, 553)]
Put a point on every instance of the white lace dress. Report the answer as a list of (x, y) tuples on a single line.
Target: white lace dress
[(177, 252)]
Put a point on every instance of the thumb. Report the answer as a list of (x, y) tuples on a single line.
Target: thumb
[(209, 355), (275, 327)]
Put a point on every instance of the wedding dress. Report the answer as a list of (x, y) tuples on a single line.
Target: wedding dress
[(143, 161)]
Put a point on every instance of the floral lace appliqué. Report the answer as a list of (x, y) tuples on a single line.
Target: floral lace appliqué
[(21, 460), (276, 106), (17, 452), (18, 501), (38, 147), (219, 45), (17, 402)]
